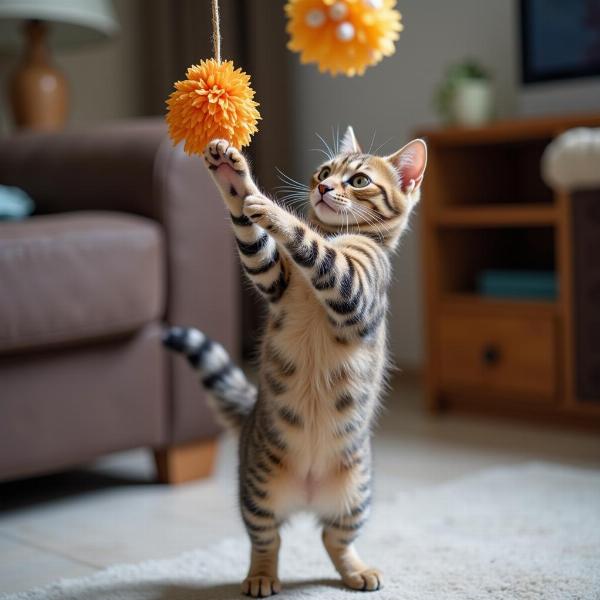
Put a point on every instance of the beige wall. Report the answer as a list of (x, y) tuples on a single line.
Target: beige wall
[(394, 98), (103, 78)]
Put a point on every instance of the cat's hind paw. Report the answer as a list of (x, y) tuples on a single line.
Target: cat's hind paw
[(368, 580), (261, 586)]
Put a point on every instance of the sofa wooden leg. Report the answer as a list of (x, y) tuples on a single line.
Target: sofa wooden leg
[(186, 462)]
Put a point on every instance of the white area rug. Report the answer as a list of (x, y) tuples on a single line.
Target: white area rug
[(527, 532)]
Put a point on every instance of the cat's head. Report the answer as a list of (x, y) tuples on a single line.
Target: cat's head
[(359, 192)]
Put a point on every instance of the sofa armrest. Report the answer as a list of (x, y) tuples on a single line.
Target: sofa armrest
[(132, 167)]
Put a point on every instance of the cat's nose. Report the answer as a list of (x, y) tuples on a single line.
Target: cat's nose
[(323, 189)]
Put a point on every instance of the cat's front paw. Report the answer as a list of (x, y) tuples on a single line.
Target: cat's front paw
[(261, 586), (368, 580), (261, 210), (230, 169), (221, 152)]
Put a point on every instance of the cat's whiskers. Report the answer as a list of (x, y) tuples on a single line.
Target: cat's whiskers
[(284, 189), (331, 153), (291, 190), (335, 137), (372, 214), (372, 219), (294, 185), (369, 211), (381, 146), (373, 226), (375, 220), (372, 142), (380, 230), (292, 200), (341, 202), (293, 195), (287, 180), (357, 212), (347, 222), (355, 219), (327, 156), (340, 198)]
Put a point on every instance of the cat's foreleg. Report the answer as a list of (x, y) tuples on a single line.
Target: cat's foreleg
[(257, 249), (348, 274)]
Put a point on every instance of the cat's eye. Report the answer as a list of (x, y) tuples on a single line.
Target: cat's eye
[(324, 173), (360, 180)]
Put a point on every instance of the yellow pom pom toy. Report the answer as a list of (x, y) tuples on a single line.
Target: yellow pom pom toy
[(214, 101), (343, 36)]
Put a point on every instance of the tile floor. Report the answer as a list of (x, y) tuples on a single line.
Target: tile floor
[(75, 523)]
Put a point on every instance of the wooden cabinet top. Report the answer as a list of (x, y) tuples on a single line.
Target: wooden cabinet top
[(507, 131)]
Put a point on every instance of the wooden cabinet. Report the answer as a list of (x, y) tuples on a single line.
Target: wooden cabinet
[(485, 207), (499, 354)]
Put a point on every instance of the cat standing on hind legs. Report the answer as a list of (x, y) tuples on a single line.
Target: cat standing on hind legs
[(305, 433)]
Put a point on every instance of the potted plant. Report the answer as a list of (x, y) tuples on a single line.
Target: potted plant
[(465, 96)]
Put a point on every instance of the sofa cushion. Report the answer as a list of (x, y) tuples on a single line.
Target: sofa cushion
[(75, 277)]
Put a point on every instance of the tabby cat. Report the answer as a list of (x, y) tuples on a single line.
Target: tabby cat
[(305, 434)]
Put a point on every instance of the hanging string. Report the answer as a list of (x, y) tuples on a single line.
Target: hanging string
[(216, 30)]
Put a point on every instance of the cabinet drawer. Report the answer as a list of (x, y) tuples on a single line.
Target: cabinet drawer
[(502, 355)]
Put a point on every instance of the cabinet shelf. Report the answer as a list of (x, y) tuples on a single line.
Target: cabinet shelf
[(475, 303), (522, 215)]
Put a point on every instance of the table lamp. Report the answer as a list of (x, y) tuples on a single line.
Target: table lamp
[(37, 89)]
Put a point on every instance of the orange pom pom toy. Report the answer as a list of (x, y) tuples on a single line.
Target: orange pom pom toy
[(215, 101), (343, 36)]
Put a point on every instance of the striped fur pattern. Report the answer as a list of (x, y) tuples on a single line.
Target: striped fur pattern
[(232, 395), (306, 442)]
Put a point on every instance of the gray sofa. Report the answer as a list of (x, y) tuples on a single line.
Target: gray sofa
[(129, 233)]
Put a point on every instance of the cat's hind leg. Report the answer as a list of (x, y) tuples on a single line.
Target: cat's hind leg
[(262, 579), (258, 466), (339, 534), (354, 572)]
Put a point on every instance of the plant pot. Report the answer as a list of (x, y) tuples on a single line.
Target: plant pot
[(472, 102)]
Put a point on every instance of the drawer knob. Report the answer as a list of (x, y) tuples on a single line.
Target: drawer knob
[(491, 355)]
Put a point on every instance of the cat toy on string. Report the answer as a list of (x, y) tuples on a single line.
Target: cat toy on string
[(343, 36), (214, 101)]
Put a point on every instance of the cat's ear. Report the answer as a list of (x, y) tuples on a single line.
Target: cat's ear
[(349, 143), (410, 163)]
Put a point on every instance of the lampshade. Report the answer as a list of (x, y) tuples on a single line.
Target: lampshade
[(73, 22)]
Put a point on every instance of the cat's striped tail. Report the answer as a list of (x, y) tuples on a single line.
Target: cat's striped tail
[(232, 395)]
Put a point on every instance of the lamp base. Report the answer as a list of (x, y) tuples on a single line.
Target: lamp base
[(38, 90)]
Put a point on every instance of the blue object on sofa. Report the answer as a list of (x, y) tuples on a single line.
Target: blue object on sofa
[(14, 203)]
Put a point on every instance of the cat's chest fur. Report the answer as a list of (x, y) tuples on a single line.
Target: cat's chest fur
[(323, 370)]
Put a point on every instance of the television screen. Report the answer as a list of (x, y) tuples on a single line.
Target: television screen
[(560, 39)]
